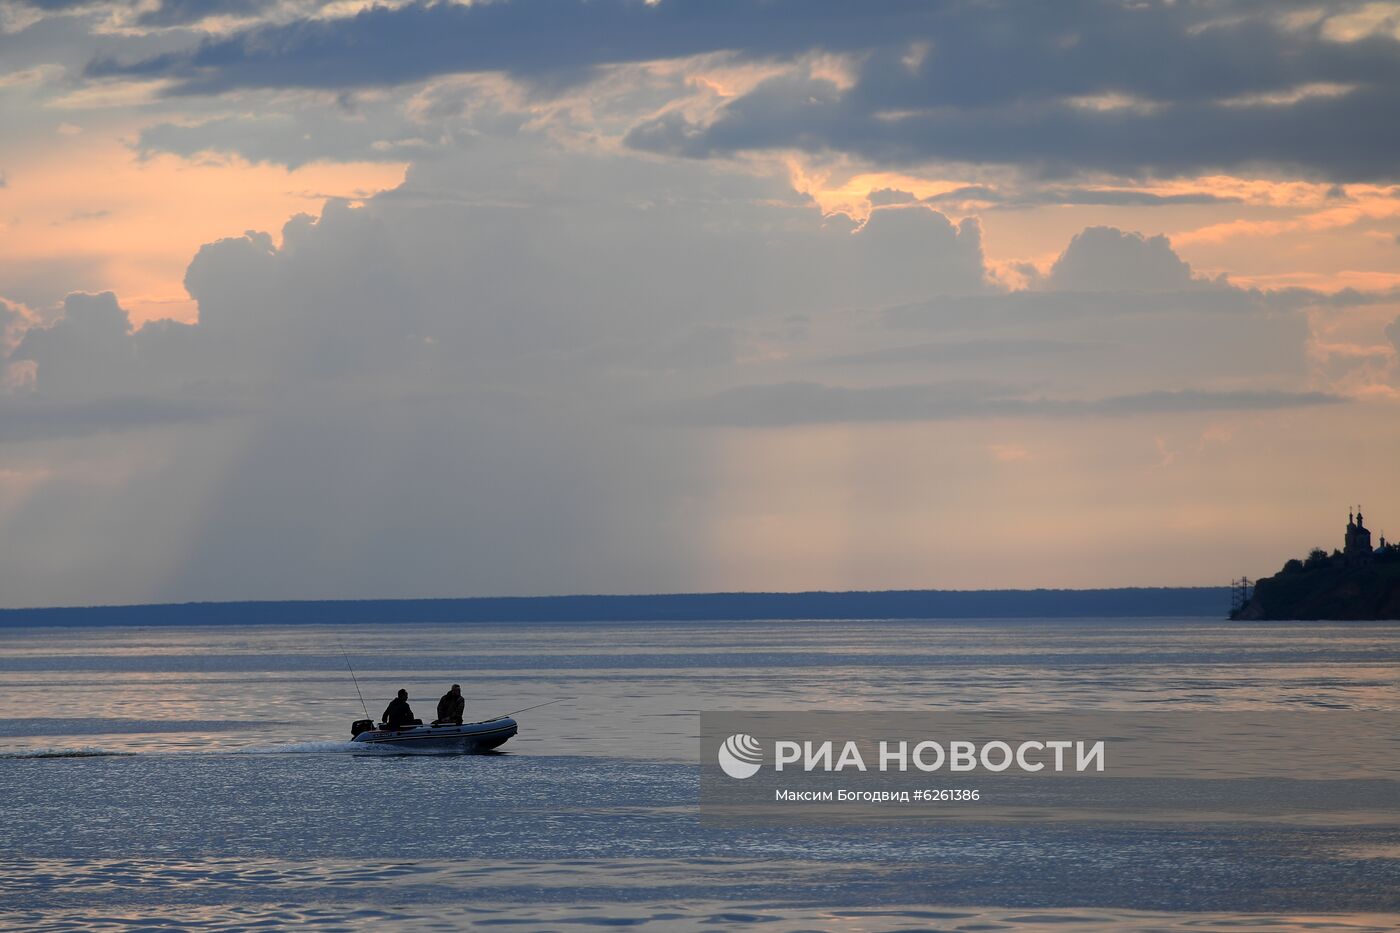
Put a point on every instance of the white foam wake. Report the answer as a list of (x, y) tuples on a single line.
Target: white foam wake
[(85, 752), (305, 748)]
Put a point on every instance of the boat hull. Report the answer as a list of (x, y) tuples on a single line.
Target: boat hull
[(465, 739)]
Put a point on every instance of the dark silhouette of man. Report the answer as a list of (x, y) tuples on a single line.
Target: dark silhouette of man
[(398, 712), (451, 707)]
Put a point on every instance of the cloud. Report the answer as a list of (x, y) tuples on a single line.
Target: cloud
[(295, 138), (381, 45), (490, 380), (1073, 88), (498, 376), (98, 374), (1062, 89), (1343, 140), (86, 348), (409, 298), (166, 13), (978, 349), (1051, 194), (91, 353), (28, 420), (1106, 259), (55, 6), (1117, 308), (14, 320), (403, 299), (1081, 87), (82, 216), (800, 403), (922, 248), (184, 12)]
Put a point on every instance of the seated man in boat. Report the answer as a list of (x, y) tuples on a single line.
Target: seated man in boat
[(399, 713), (451, 707)]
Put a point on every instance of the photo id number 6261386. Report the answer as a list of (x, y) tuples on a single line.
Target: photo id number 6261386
[(948, 794)]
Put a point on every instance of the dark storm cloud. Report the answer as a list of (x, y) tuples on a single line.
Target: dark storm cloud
[(183, 12), (1203, 86), (169, 13), (531, 39), (798, 403), (1348, 136), (58, 6)]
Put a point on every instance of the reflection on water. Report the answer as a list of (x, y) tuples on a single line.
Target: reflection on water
[(648, 682), (17, 726), (659, 894), (204, 779)]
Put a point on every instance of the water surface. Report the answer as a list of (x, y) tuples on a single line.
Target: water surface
[(201, 778)]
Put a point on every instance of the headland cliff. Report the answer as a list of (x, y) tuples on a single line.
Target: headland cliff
[(1358, 582)]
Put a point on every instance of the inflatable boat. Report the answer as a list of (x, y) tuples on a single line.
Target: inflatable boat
[(466, 737)]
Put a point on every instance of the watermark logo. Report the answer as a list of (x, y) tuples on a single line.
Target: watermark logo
[(740, 756), (829, 767)]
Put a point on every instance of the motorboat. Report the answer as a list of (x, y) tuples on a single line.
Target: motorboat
[(449, 737)]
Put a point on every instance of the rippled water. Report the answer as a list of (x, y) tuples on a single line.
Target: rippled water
[(202, 778)]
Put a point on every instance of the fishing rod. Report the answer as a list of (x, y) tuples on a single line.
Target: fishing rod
[(528, 708), (356, 682)]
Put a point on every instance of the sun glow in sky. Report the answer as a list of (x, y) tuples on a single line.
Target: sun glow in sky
[(440, 299)]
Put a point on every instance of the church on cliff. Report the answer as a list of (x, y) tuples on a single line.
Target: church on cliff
[(1358, 551), (1357, 582)]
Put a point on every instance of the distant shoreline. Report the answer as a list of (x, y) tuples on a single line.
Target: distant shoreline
[(1123, 602)]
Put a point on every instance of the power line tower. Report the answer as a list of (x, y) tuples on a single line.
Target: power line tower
[(1240, 592)]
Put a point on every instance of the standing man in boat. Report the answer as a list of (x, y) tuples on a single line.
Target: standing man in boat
[(451, 707), (398, 712)]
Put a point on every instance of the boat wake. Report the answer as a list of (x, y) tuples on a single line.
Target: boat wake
[(63, 753), (342, 748), (331, 746), (18, 727)]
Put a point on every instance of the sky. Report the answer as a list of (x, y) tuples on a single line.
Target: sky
[(305, 299)]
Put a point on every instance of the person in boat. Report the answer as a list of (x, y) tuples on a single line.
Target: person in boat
[(451, 707), (399, 713)]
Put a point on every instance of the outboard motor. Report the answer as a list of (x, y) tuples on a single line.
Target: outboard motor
[(360, 725)]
